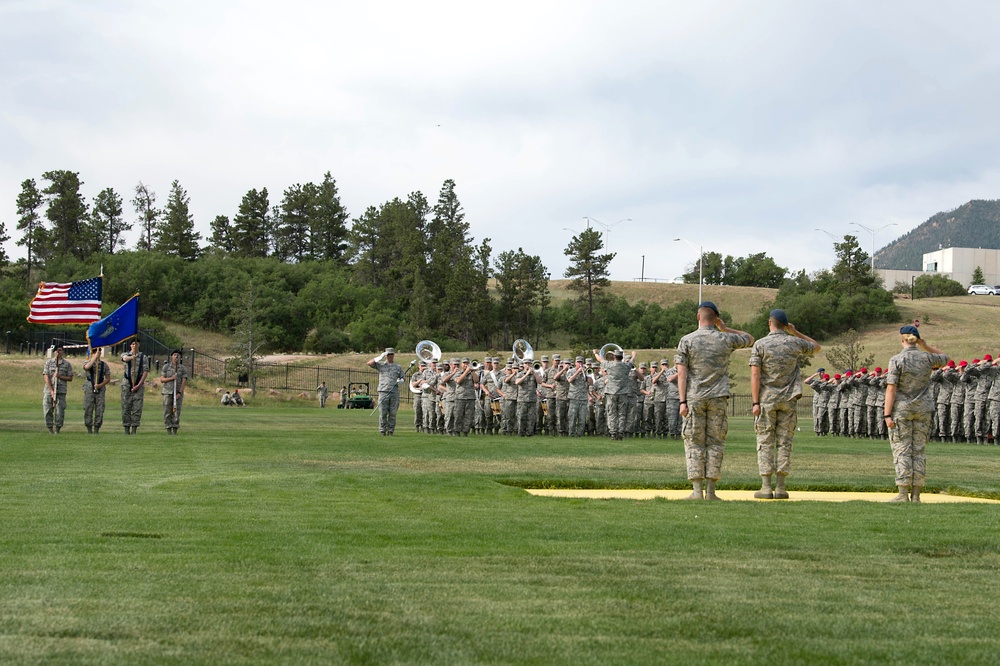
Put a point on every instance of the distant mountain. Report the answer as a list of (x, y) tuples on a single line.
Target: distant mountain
[(975, 224)]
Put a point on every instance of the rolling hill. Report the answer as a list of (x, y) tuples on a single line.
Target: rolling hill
[(974, 224)]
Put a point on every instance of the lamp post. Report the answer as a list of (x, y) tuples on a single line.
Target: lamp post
[(873, 232), (832, 237), (701, 264), (606, 227)]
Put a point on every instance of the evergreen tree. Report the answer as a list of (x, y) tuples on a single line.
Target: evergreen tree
[(4, 259), (853, 268), (222, 237), (522, 285), (175, 234), (29, 222), (328, 232), (389, 246), (588, 272), (108, 222), (67, 211), (295, 221), (977, 275), (448, 248), (252, 225), (144, 204)]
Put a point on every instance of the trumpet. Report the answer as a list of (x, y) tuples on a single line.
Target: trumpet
[(589, 372), (523, 351), (427, 350), (609, 349), (475, 365)]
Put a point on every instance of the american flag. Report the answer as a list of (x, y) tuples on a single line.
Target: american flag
[(67, 302)]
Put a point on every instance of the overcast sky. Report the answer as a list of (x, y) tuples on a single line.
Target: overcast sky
[(740, 126)]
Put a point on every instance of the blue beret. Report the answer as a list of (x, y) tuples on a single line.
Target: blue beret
[(910, 330), (779, 316), (708, 304)]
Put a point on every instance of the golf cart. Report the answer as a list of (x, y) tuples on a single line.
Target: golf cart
[(359, 396)]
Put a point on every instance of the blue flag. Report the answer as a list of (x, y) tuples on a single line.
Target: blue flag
[(120, 325)]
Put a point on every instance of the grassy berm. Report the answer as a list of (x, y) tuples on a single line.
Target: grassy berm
[(296, 535)]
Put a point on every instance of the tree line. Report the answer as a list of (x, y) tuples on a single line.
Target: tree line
[(399, 272)]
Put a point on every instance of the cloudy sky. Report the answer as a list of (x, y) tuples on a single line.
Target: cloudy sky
[(740, 126)]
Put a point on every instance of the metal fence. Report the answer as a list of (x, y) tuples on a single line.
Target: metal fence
[(37, 343), (283, 376)]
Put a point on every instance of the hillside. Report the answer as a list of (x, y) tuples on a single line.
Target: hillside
[(974, 224)]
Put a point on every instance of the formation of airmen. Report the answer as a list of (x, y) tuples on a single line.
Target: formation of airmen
[(966, 402), (572, 397)]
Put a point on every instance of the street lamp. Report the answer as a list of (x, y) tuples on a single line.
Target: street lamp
[(873, 232), (607, 227), (701, 264), (834, 238)]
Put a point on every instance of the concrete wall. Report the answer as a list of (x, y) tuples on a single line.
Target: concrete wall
[(960, 262)]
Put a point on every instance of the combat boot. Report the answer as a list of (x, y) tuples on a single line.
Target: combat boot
[(135, 429), (52, 430), (779, 490), (90, 430), (710, 490), (128, 431), (915, 494), (765, 491), (903, 496), (696, 492)]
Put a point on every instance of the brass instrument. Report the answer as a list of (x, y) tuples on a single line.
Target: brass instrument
[(536, 366), (523, 351), (427, 350), (475, 365), (608, 351), (589, 373)]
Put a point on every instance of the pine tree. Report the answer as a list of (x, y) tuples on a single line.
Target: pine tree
[(295, 221), (977, 275), (175, 234), (222, 238), (252, 232), (4, 259), (67, 211), (29, 221), (144, 204), (108, 222), (328, 232), (588, 271)]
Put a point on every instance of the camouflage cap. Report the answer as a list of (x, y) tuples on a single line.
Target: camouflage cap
[(545, 358)]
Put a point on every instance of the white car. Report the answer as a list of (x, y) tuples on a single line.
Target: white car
[(982, 290)]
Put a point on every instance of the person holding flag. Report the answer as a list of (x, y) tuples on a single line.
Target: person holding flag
[(98, 374), (117, 327), (173, 379), (57, 373)]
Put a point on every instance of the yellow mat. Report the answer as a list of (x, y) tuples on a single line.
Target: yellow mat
[(794, 495)]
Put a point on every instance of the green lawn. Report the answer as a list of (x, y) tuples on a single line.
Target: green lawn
[(297, 535)]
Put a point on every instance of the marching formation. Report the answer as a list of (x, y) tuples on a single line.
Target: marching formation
[(603, 396)]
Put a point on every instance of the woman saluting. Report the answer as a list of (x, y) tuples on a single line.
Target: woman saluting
[(908, 408)]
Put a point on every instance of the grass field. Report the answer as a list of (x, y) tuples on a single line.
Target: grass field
[(296, 535)]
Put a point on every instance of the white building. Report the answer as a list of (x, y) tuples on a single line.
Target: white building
[(957, 263)]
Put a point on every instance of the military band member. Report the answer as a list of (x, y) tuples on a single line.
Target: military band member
[(617, 391), (775, 387), (547, 387), (173, 381), (98, 375), (509, 393), (527, 399), (578, 388), (702, 362), (57, 373), (466, 385), (908, 410), (133, 387), (416, 388), (429, 397), (450, 394), (389, 375), (597, 393), (561, 394), (673, 401)]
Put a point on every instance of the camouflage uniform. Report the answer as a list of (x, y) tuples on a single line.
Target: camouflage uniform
[(871, 407), (54, 411), (509, 414), (706, 353), (819, 400), (883, 432), (600, 416), (617, 395), (859, 411), (910, 372), (971, 378), (450, 393), (428, 400), (93, 397), (136, 369), (562, 401), (957, 402), (389, 375), (578, 386), (833, 406), (986, 374), (649, 407), (660, 391), (778, 355), (465, 399), (943, 403), (549, 395), (993, 410), (673, 404), (172, 402), (527, 402), (322, 392)]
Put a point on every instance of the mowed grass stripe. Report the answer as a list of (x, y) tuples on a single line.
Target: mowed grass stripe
[(300, 536)]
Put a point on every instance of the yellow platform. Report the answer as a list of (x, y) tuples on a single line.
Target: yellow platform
[(794, 495)]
